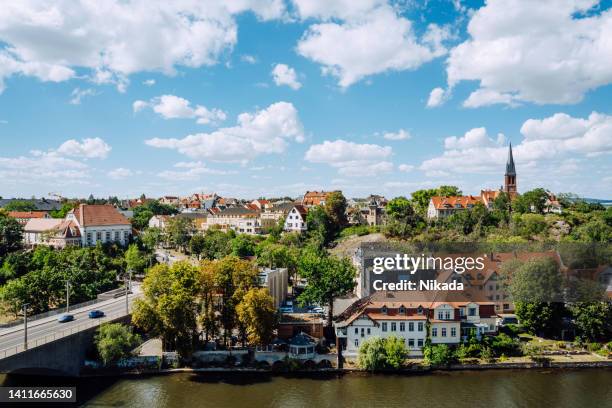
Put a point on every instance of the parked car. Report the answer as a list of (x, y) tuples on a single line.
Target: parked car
[(318, 310), (286, 309), (65, 318), (94, 314)]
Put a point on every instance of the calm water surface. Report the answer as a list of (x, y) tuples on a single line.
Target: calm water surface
[(585, 388)]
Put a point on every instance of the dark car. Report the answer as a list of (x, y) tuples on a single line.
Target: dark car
[(65, 318), (94, 314)]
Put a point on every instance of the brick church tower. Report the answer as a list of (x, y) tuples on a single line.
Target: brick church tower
[(510, 176)]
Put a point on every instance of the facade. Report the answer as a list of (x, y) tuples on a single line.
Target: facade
[(240, 219), (38, 230), (273, 213), (296, 219), (100, 223), (406, 315), (441, 207), (276, 280)]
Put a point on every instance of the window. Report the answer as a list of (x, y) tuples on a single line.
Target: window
[(402, 326), (420, 342), (362, 332), (490, 287), (116, 235), (108, 236), (462, 311), (99, 236), (506, 306), (384, 309), (447, 314), (453, 332), (368, 330), (89, 237), (125, 235), (410, 342), (402, 310), (356, 330), (393, 326), (440, 315), (472, 311), (384, 326), (444, 332), (411, 326), (420, 310), (434, 332), (356, 342), (420, 326)]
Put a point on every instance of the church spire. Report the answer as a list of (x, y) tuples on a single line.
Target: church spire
[(510, 170)]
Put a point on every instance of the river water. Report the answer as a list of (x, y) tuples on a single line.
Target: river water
[(503, 388)]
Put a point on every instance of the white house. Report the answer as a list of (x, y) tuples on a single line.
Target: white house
[(296, 219), (100, 223), (243, 220), (38, 230)]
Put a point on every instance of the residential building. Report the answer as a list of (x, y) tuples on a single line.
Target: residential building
[(23, 217), (312, 198), (100, 223), (169, 200), (158, 221), (406, 315), (261, 204), (272, 213), (291, 324), (37, 231), (276, 280), (296, 219), (240, 219), (66, 234)]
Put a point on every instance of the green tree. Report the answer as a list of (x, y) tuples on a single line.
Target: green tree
[(335, 207), (169, 308), (115, 341), (243, 245), (420, 198), (593, 231), (437, 355), (65, 209), (593, 320), (395, 352), (257, 313), (531, 201), (197, 244), (372, 354), (401, 218), (320, 228), (179, 231), (328, 277), (134, 259), (11, 234), (151, 238), (20, 205), (216, 244)]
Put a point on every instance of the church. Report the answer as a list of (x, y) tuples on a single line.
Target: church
[(440, 207)]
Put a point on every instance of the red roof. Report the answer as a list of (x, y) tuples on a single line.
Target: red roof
[(28, 214), (89, 215), (441, 203)]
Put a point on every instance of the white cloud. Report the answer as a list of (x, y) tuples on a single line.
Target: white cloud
[(351, 159), (77, 94), (368, 41), (263, 132), (120, 173), (90, 148), (547, 144), (406, 168), (534, 51), (148, 82), (175, 107), (249, 59), (285, 75), (193, 171), (114, 39), (340, 9), (399, 135), (437, 97)]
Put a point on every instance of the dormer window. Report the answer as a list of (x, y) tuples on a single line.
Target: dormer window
[(420, 310), (402, 310), (384, 309)]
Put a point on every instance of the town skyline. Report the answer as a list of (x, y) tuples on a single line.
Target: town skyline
[(256, 101)]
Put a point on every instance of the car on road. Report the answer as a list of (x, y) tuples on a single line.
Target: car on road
[(65, 318), (94, 314)]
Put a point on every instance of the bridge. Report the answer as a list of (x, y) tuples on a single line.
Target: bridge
[(56, 348)]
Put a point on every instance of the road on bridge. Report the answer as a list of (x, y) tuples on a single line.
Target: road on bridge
[(47, 329)]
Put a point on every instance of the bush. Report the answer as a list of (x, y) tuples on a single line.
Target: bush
[(504, 344), (115, 341), (594, 347), (378, 354), (438, 355), (487, 355)]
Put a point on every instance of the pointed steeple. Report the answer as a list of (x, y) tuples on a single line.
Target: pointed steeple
[(510, 170)]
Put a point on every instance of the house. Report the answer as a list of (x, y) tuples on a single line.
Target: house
[(441, 207), (23, 217), (291, 324), (296, 219), (240, 219), (158, 221), (276, 280), (38, 230), (273, 213), (261, 204), (312, 198), (552, 204), (100, 223), (450, 316), (169, 200)]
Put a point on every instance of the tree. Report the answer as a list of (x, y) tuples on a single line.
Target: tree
[(179, 232), (243, 245), (168, 308), (20, 205), (151, 237), (115, 341), (335, 207), (593, 320), (531, 201), (420, 198), (328, 277), (257, 313), (372, 354), (395, 352), (134, 260), (401, 217), (320, 228), (65, 209), (197, 243), (593, 231), (11, 233), (437, 355), (216, 244)]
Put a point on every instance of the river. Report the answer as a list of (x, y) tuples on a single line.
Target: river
[(503, 388)]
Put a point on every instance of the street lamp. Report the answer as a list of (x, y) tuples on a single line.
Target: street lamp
[(25, 325), (128, 279), (67, 296)]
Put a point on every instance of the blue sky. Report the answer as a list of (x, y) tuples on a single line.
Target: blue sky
[(270, 98)]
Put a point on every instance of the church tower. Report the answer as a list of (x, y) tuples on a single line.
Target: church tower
[(510, 176)]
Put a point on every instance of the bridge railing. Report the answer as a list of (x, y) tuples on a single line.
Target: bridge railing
[(7, 352)]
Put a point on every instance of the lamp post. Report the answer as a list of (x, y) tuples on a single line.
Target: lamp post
[(67, 296), (25, 325)]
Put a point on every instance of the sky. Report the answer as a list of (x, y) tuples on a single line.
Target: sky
[(253, 98)]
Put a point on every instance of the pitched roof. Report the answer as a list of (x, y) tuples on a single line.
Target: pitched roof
[(28, 214), (42, 224), (315, 197), (301, 209), (441, 203), (93, 214)]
